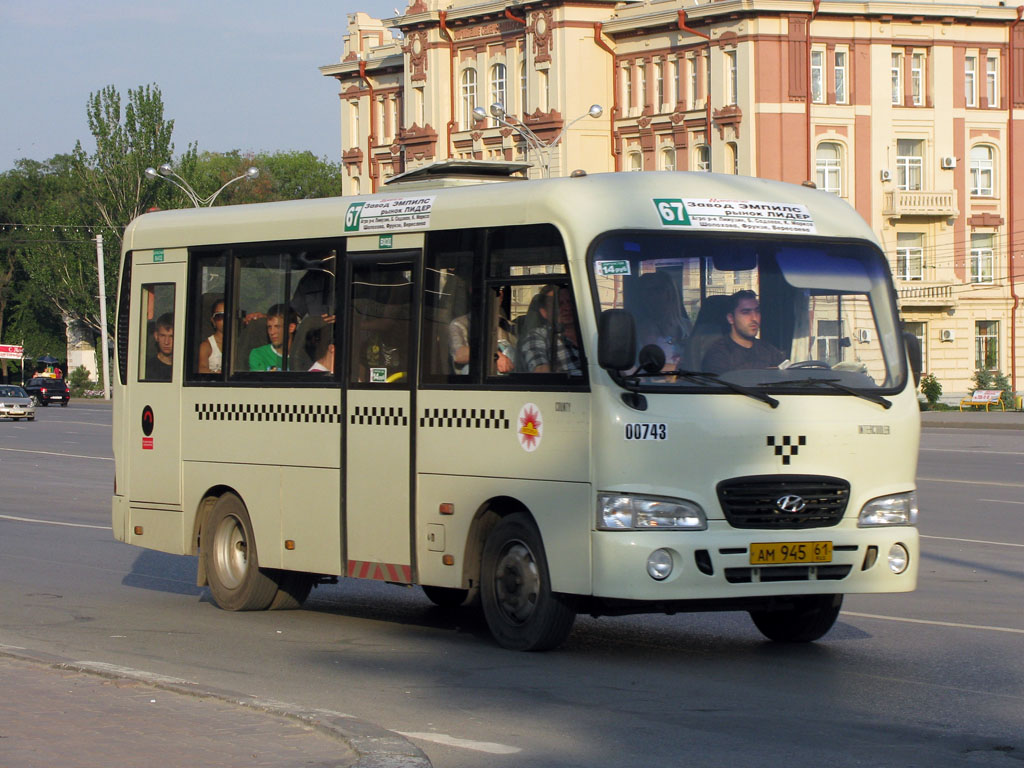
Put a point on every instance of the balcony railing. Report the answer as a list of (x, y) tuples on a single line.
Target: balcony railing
[(926, 296), (902, 202)]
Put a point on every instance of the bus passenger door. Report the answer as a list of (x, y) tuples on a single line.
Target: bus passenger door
[(153, 411), (380, 402)]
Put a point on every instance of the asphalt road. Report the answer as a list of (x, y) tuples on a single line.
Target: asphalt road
[(934, 678)]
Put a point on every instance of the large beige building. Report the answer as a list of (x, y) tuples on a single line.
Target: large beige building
[(912, 112)]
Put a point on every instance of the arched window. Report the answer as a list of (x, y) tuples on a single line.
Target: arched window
[(498, 94), (636, 161), (702, 158), (355, 185), (468, 97), (828, 160), (668, 159), (732, 158), (983, 158)]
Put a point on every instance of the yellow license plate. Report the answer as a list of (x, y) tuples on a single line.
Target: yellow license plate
[(785, 552)]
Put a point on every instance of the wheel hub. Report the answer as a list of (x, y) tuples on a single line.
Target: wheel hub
[(517, 582)]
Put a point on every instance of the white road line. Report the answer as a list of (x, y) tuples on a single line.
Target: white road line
[(54, 453), (953, 624), (966, 450), (973, 541), (54, 522), (969, 482), (1002, 501), (489, 747)]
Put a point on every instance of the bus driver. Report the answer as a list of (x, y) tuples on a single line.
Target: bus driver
[(741, 349)]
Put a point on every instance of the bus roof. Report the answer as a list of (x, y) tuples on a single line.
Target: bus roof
[(582, 206)]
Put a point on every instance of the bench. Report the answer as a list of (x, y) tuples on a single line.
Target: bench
[(984, 397)]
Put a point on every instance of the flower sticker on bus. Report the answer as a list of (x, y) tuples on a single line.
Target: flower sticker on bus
[(531, 428)]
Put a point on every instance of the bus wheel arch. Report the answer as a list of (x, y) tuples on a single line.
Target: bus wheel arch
[(205, 506), (487, 516)]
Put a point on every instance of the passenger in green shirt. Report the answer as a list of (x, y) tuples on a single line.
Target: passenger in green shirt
[(269, 357)]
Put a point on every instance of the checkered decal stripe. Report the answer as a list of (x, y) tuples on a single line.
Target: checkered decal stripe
[(786, 446), (465, 418), (381, 417), (280, 412)]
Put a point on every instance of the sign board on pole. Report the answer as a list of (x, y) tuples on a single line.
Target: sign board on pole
[(11, 352)]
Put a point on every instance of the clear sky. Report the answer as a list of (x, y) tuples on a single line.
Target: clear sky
[(235, 74)]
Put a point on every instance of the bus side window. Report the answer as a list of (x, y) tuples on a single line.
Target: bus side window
[(381, 322), (209, 315), (156, 336), (449, 331)]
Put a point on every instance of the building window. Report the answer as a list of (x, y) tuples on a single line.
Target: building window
[(909, 163), (627, 86), (636, 161), (641, 83), (544, 84), (703, 158), (468, 97), (992, 80), (731, 78), (917, 79), (920, 331), (354, 185), (982, 258), (971, 80), (498, 81), (839, 70), (659, 85), (910, 256), (818, 77), (982, 171), (829, 162), (694, 80), (353, 111), (986, 345), (522, 87), (668, 159), (732, 158), (673, 95), (896, 67)]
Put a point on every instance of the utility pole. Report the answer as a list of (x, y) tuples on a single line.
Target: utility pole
[(103, 316)]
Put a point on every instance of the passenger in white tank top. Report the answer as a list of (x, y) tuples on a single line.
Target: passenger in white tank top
[(210, 350)]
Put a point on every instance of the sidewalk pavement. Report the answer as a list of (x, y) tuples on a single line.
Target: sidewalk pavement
[(973, 419), (99, 716)]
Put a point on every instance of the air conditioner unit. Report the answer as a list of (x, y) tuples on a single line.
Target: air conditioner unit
[(864, 335), (886, 174), (948, 162), (948, 334)]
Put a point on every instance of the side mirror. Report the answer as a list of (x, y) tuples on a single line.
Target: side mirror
[(616, 340), (913, 345)]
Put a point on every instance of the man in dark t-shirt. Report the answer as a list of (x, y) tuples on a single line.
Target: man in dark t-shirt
[(741, 349)]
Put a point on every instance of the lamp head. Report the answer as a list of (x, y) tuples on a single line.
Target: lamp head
[(151, 173), (596, 110), (252, 172), (479, 113), (166, 170), (498, 111)]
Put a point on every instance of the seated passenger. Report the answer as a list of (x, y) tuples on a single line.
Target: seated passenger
[(741, 349), (550, 343), (270, 356), (320, 347), (160, 363), (210, 355), (660, 318)]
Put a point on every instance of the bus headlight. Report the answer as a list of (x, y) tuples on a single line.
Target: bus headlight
[(617, 512), (900, 509)]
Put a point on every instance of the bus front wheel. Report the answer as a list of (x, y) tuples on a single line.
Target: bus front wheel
[(228, 548), (522, 612), (807, 619)]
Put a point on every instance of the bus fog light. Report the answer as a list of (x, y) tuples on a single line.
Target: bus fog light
[(899, 558), (659, 564)]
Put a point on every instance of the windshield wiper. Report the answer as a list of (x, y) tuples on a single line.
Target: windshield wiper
[(704, 377), (834, 384)]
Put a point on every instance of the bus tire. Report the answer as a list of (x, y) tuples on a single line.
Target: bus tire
[(445, 597), (522, 612), (808, 619), (293, 587), (228, 549)]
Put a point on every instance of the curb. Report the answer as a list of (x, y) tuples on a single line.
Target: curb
[(375, 747), (955, 423)]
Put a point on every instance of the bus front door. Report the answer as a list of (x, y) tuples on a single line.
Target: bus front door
[(379, 421)]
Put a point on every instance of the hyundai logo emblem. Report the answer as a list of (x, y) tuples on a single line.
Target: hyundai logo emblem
[(790, 503)]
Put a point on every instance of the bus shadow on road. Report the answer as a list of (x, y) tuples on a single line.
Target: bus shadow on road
[(161, 572)]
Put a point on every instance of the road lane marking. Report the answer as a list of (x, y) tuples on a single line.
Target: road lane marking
[(1002, 501), (54, 453), (965, 450), (54, 522), (969, 482), (953, 624), (974, 541), (489, 747)]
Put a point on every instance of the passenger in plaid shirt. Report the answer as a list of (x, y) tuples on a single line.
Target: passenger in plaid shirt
[(536, 347)]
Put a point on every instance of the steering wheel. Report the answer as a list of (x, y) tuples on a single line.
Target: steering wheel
[(812, 364)]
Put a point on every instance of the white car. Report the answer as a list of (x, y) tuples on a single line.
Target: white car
[(16, 404)]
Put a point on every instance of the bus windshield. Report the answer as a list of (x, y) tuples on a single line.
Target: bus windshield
[(778, 314)]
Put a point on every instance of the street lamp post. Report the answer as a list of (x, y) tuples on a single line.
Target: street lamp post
[(532, 140), (167, 173)]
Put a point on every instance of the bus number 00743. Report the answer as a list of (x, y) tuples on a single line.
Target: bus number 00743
[(646, 431)]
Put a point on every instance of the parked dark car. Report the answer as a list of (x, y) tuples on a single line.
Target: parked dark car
[(44, 391)]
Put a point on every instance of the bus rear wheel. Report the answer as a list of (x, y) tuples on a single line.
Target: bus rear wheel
[(522, 612), (807, 619), (228, 548)]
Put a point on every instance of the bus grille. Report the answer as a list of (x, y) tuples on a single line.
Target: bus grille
[(782, 502)]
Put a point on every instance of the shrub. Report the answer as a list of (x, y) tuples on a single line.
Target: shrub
[(78, 381), (983, 379), (931, 389)]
